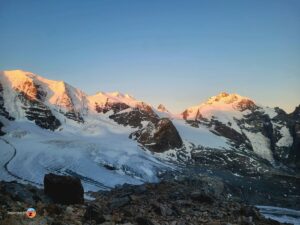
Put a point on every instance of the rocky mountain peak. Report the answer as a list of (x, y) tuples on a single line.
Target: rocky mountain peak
[(221, 103), (162, 108), (296, 113)]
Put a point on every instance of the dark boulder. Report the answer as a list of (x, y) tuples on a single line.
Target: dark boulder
[(143, 221), (119, 202), (63, 189), (202, 197), (94, 212)]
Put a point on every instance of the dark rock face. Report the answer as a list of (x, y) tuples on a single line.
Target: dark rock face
[(240, 162), (245, 104), (73, 115), (134, 118), (69, 104), (63, 189), (1, 132), (295, 152), (114, 106), (32, 96), (160, 136), (294, 156), (3, 111), (39, 113), (239, 140)]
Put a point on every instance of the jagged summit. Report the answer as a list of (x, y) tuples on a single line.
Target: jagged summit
[(162, 108)]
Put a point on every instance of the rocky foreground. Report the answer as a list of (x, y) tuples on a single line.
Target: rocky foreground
[(175, 202)]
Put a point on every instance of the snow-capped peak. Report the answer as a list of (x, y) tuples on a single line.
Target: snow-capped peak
[(225, 98), (101, 98), (60, 94), (222, 102)]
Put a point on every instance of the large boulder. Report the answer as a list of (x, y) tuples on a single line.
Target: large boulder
[(63, 189)]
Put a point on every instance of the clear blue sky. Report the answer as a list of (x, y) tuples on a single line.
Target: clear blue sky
[(162, 51)]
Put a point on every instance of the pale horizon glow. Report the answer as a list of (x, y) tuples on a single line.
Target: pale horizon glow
[(176, 53)]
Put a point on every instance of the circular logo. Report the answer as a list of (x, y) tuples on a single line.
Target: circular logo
[(31, 213)]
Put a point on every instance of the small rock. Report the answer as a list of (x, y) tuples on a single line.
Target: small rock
[(201, 197), (119, 202), (69, 210), (93, 212), (143, 221), (162, 210)]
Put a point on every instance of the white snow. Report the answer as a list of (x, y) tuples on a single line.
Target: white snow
[(286, 140), (260, 144), (282, 215), (83, 152), (270, 111), (101, 98), (222, 107), (199, 136)]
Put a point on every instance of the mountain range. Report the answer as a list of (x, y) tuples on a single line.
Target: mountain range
[(108, 139)]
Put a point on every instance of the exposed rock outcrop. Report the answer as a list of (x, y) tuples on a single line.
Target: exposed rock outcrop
[(246, 104), (3, 111), (159, 137), (294, 157), (135, 116), (39, 113), (68, 104), (238, 140)]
